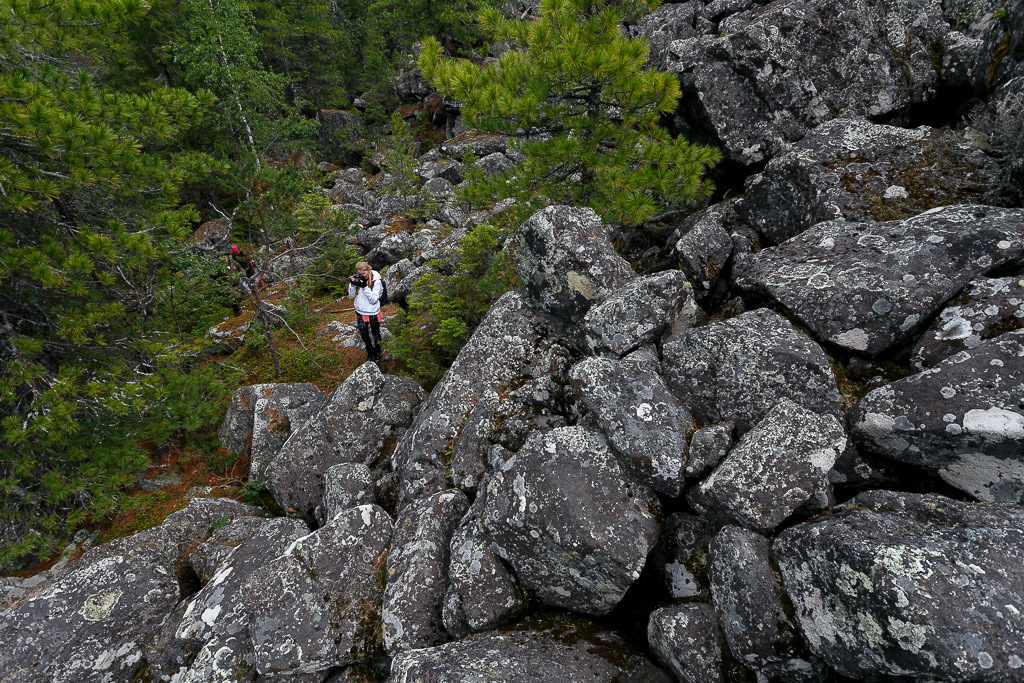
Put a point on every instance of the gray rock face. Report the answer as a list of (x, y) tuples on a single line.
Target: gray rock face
[(987, 308), (668, 23), (855, 170), (867, 286), (567, 261), (417, 572), (575, 527), (748, 603), (548, 649), (963, 420), (763, 82), (263, 416), (705, 246), (777, 466), (346, 485), (637, 314), (216, 613), (511, 346), (89, 624), (681, 556), (707, 448), (359, 417), (318, 605), (901, 584), (642, 420), (482, 591), (738, 369), (687, 640)]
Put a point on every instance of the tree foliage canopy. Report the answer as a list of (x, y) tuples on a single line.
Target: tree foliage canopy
[(575, 95)]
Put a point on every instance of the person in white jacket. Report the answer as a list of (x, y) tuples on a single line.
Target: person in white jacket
[(365, 288)]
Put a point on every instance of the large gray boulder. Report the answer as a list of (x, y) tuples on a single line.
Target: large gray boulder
[(738, 369), (776, 467), (573, 524), (262, 416), (638, 314), (353, 427), (916, 586), (855, 170), (90, 624), (763, 82), (962, 420), (567, 261), (318, 605), (642, 420), (749, 604), (417, 572), (511, 346), (482, 590), (545, 649), (687, 640), (867, 287), (987, 308)]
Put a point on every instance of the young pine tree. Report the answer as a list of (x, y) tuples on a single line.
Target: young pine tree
[(575, 97)]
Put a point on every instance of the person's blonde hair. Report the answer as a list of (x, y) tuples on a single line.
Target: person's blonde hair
[(363, 266)]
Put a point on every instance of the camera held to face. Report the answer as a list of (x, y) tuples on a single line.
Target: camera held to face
[(359, 280)]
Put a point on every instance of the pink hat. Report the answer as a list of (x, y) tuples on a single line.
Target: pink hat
[(234, 248)]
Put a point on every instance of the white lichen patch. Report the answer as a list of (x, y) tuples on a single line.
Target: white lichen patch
[(995, 424), (856, 339), (580, 284), (910, 637), (98, 606)]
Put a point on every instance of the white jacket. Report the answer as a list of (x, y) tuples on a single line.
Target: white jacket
[(367, 299)]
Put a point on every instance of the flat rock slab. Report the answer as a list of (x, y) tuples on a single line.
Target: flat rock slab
[(962, 420), (899, 584), (855, 170), (573, 523), (777, 466), (867, 287), (987, 308), (545, 649), (738, 369), (90, 624)]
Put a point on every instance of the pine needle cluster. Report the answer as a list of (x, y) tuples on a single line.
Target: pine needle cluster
[(575, 96)]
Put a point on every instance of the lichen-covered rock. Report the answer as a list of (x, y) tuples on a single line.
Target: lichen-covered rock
[(987, 308), (777, 466), (352, 427), (763, 82), (545, 649), (511, 346), (346, 485), (916, 586), (479, 144), (680, 556), (738, 369), (90, 624), (482, 591), (705, 245), (637, 314), (855, 170), (567, 262), (708, 446), (318, 605), (748, 601), (417, 571), (668, 23), (962, 420), (687, 640), (868, 286), (642, 420), (216, 612), (274, 410), (574, 525)]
